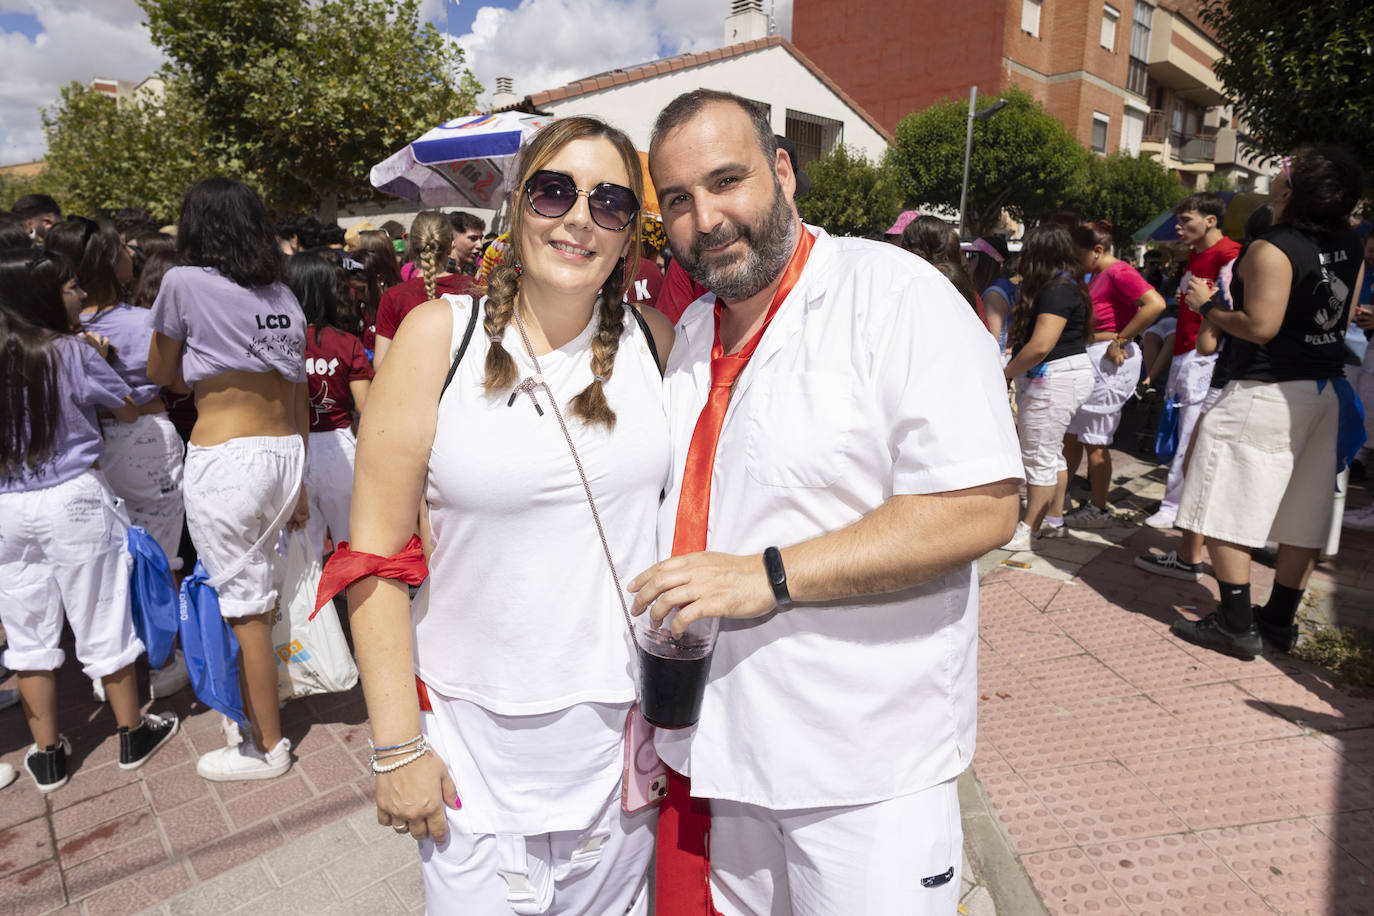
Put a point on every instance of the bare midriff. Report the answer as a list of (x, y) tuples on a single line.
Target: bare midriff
[(236, 404)]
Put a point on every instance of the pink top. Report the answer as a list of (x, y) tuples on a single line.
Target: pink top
[(1114, 292)]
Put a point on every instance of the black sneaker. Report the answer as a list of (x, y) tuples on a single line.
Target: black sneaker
[(48, 766), (1170, 565), (1211, 633), (1280, 636), (138, 744)]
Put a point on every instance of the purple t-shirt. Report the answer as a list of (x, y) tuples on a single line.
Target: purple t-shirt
[(130, 332), (84, 383), (227, 327)]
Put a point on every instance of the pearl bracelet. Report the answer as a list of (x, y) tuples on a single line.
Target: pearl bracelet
[(421, 749)]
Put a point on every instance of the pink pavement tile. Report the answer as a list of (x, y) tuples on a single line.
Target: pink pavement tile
[(175, 752), (24, 845), (1069, 884), (1156, 663), (113, 867), (1235, 668), (1025, 818), (1041, 737), (1019, 645), (176, 786), (1101, 802), (236, 849), (33, 890), (89, 782), (273, 796), (1225, 714), (194, 825), (1099, 626), (1136, 725), (1076, 682), (1295, 868), (1315, 701), (330, 768), (1210, 787), (1006, 693), (317, 737), (987, 762), (1353, 831), (1002, 605), (136, 826), (1172, 874), (23, 802), (141, 892), (325, 809), (1355, 745), (86, 814), (1311, 776), (1038, 590)]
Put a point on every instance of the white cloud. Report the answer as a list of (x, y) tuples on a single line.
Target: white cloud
[(79, 41), (544, 44)]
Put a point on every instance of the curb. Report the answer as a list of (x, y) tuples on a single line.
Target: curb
[(998, 868)]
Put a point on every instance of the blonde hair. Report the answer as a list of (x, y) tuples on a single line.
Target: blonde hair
[(428, 245), (504, 282)]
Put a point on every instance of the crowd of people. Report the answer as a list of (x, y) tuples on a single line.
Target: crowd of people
[(527, 428)]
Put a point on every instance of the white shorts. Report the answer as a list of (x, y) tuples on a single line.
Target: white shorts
[(1097, 420), (329, 484), (1190, 377), (63, 549), (900, 857), (234, 492), (1044, 407), (143, 463), (1264, 468)]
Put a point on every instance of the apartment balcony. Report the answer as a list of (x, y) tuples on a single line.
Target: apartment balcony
[(1176, 149), (1182, 57)]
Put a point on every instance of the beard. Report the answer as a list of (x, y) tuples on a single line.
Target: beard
[(740, 275)]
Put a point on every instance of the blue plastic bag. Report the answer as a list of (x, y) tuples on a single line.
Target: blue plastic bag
[(1166, 437), (210, 647), (152, 597)]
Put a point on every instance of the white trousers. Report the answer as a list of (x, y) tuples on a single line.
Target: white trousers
[(143, 463), (329, 484), (900, 857), (1190, 378), (63, 549)]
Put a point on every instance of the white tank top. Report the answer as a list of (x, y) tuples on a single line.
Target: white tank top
[(519, 614)]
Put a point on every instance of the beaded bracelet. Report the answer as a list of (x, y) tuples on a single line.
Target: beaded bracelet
[(420, 750), (395, 747)]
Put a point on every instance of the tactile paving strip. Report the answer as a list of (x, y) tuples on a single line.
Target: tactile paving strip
[(1157, 664), (1038, 590), (1353, 831), (1018, 645), (1099, 626), (1069, 884), (1310, 776), (1028, 823), (1225, 714), (1076, 682), (1295, 868), (1316, 702), (1101, 802), (1137, 726), (1001, 605), (1172, 874), (1356, 745), (1209, 787), (1042, 737)]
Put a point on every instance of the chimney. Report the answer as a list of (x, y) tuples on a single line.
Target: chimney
[(504, 94), (746, 22)]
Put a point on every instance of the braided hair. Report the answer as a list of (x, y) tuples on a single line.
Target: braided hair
[(503, 283), (429, 243)]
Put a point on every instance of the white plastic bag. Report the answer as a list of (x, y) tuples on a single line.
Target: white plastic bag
[(312, 655)]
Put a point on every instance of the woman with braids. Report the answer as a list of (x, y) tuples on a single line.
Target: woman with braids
[(936, 241), (1051, 326), (431, 242), (516, 641), (62, 529)]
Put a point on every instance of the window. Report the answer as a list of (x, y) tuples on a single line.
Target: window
[(1132, 130), (1030, 16), (814, 136), (1101, 123), (1136, 75), (1109, 18)]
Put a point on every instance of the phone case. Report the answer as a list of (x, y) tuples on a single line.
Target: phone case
[(644, 780)]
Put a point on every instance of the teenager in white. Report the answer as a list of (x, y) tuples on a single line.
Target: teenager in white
[(517, 635)]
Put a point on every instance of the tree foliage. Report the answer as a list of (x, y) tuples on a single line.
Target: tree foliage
[(1023, 160), (1128, 191), (850, 195), (1299, 72)]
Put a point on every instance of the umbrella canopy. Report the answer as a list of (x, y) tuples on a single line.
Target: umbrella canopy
[(461, 163), (1164, 227)]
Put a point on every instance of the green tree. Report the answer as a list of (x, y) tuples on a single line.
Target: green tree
[(850, 195), (1299, 72), (304, 96), (1023, 161), (1218, 182), (1128, 191)]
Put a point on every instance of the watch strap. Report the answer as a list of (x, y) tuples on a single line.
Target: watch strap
[(777, 576)]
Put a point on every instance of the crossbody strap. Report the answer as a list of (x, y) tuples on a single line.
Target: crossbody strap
[(467, 339)]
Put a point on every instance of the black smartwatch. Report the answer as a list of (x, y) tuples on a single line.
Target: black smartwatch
[(777, 577), (1207, 306)]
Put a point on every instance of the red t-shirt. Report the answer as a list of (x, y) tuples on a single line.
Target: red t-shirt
[(644, 291), (679, 291), (330, 365), (401, 298), (1205, 265)]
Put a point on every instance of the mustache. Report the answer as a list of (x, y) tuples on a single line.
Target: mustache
[(721, 235)]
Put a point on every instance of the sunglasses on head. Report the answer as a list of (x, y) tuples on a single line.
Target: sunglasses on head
[(552, 194)]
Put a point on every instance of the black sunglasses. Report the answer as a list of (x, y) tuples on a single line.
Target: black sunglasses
[(552, 194)]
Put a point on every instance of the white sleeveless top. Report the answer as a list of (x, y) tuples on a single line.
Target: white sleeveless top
[(519, 614)]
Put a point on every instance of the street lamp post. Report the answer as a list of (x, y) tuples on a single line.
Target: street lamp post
[(973, 115)]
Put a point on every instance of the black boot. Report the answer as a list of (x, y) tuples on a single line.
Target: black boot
[(137, 744), (48, 766)]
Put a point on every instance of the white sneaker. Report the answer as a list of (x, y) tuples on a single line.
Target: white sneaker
[(245, 762), (1164, 518), (169, 679), (98, 690), (1052, 531), (8, 774), (1021, 540), (1088, 516), (1359, 519)]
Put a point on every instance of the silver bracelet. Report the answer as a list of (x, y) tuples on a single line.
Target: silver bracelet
[(420, 750)]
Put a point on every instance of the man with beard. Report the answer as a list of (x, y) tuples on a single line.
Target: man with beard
[(827, 504)]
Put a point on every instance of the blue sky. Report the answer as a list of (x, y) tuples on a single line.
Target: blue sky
[(541, 43)]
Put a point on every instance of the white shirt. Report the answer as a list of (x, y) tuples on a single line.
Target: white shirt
[(874, 379)]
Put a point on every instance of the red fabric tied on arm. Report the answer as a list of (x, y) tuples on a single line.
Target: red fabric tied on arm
[(348, 566)]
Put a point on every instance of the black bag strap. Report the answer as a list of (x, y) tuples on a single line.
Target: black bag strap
[(472, 325)]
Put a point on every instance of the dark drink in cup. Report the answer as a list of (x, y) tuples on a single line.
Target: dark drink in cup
[(673, 673)]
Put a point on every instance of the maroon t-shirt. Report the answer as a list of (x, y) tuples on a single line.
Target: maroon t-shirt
[(330, 364), (401, 298), (644, 291)]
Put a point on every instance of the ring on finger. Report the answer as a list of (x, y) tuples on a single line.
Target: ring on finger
[(401, 828)]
